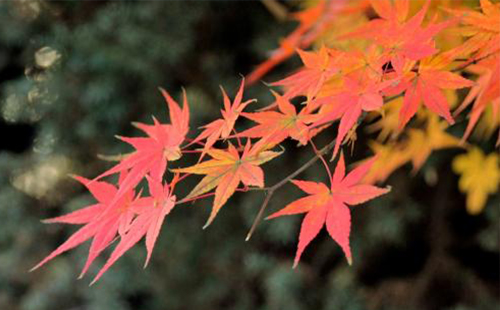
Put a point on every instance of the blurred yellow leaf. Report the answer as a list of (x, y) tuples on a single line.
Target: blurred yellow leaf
[(422, 143), (388, 123), (479, 177), (389, 157)]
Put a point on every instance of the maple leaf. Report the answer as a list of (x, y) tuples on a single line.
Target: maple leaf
[(226, 170), (221, 128), (152, 152), (485, 93), (369, 62), (102, 222), (422, 143), (330, 206), (402, 41), (150, 214), (313, 22), (350, 103), (417, 148), (274, 127), (288, 45), (426, 86), (479, 176), (318, 68), (389, 157), (395, 11), (388, 124), (482, 28), (488, 124)]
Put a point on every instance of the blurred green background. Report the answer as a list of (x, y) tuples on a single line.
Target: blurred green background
[(73, 74)]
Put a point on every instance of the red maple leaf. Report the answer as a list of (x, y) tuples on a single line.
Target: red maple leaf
[(150, 213), (221, 128), (402, 41), (318, 68), (102, 221), (485, 93), (274, 127), (425, 86), (330, 206), (350, 103), (153, 152)]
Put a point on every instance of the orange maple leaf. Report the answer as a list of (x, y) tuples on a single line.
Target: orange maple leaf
[(226, 170), (394, 11), (307, 19), (482, 27), (313, 22), (288, 45)]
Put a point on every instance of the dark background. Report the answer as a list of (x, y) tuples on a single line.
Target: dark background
[(415, 248)]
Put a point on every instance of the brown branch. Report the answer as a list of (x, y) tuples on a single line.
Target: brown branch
[(278, 10), (269, 191)]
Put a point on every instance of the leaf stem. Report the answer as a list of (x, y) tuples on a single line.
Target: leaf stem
[(194, 198), (240, 145), (322, 160)]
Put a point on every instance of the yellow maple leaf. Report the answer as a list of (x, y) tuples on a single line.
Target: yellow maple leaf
[(389, 157), (422, 143), (417, 148), (479, 177), (388, 123)]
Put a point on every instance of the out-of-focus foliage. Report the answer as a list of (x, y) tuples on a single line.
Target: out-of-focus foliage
[(74, 74), (479, 177)]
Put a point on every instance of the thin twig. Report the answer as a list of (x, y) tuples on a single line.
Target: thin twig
[(270, 190), (118, 157), (472, 62)]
